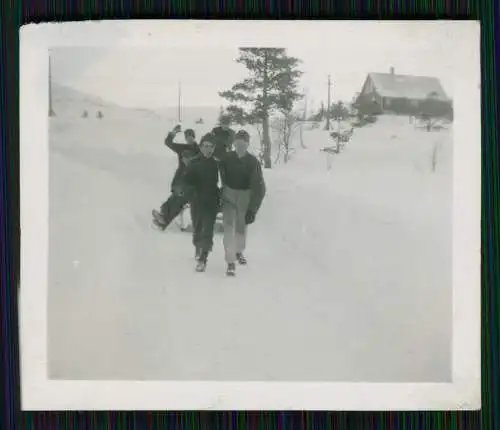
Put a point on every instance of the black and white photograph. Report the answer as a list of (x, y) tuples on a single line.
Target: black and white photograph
[(251, 210)]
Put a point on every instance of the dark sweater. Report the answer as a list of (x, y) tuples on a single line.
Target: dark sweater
[(202, 177), (223, 141), (244, 173), (180, 149)]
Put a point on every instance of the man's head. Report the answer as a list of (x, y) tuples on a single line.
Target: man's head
[(241, 142), (189, 135), (225, 122), (207, 145)]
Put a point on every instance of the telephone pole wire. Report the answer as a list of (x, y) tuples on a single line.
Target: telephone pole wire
[(179, 102)]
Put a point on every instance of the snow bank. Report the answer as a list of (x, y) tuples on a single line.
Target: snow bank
[(379, 222), (387, 165)]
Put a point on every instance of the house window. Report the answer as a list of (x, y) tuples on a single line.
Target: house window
[(414, 103)]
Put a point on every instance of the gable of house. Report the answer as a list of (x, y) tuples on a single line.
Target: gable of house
[(389, 85), (368, 87), (368, 92)]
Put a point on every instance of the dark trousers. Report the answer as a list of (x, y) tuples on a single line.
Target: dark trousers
[(173, 207), (203, 215)]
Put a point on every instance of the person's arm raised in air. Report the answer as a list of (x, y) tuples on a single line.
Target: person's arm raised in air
[(169, 141)]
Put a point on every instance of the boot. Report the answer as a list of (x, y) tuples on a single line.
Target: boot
[(202, 262), (241, 259), (231, 269), (158, 220), (201, 266), (158, 225)]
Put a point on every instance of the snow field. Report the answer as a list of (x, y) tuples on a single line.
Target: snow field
[(349, 275)]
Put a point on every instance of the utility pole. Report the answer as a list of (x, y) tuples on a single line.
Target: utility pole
[(328, 107), (179, 100), (51, 111)]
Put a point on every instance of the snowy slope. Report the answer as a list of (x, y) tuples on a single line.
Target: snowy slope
[(387, 165), (343, 282), (70, 103)]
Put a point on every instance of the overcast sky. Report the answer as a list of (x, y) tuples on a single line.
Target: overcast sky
[(148, 77)]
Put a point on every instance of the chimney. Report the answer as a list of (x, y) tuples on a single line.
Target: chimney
[(392, 70)]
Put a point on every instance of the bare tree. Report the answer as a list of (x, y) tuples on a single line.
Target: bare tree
[(285, 127)]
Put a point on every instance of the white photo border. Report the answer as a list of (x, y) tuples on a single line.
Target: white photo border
[(40, 393)]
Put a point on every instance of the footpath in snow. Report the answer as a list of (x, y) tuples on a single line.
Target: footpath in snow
[(349, 275)]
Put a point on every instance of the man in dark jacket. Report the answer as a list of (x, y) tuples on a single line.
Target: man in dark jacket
[(243, 189), (224, 137), (183, 150), (202, 177), (178, 199)]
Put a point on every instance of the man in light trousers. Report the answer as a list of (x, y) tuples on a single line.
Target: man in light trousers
[(243, 189)]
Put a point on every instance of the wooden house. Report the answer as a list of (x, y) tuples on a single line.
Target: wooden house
[(403, 94)]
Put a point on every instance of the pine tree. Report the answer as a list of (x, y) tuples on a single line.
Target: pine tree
[(221, 114), (271, 87), (339, 111)]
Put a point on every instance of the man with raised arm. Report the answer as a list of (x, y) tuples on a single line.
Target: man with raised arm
[(178, 198)]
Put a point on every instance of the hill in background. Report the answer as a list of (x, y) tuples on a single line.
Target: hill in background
[(71, 103)]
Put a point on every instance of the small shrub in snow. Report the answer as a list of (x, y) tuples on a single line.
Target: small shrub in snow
[(429, 124), (433, 111), (341, 138), (436, 149)]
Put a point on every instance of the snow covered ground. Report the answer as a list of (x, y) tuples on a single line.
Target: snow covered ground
[(349, 275)]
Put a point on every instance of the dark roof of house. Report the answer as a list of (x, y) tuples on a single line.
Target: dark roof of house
[(407, 86)]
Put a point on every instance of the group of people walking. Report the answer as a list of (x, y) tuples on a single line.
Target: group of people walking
[(221, 157)]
